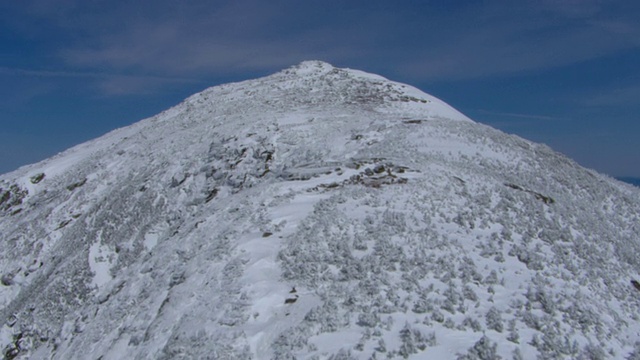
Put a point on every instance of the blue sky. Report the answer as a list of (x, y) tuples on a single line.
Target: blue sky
[(564, 73)]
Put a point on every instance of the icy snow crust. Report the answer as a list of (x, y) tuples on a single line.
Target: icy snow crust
[(407, 231)]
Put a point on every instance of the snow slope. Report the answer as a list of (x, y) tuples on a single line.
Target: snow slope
[(317, 213)]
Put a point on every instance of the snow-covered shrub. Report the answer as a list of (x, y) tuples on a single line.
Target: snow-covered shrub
[(483, 349), (513, 336), (468, 272), (579, 315), (472, 323), (437, 316), (592, 352), (342, 354), (517, 355), (469, 294), (492, 278), (449, 323), (494, 320), (530, 257), (328, 317), (408, 345), (538, 295), (421, 306), (289, 342), (368, 319), (531, 320), (452, 298)]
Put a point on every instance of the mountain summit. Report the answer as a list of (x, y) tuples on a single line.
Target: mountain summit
[(317, 213)]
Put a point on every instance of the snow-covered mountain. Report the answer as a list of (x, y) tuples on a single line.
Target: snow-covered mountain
[(317, 213)]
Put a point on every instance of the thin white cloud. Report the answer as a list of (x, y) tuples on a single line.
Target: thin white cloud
[(108, 83), (206, 39), (520, 115), (228, 39), (629, 95), (84, 74), (502, 41)]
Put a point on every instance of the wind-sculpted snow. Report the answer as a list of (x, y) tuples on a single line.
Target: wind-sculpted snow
[(318, 213)]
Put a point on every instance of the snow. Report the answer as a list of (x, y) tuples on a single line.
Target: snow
[(151, 240), (100, 261), (6, 336), (398, 221), (270, 315)]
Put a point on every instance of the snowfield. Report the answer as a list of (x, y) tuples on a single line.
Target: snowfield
[(317, 213)]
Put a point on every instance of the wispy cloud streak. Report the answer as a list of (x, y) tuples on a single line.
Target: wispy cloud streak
[(425, 41), (95, 75), (521, 116), (108, 83)]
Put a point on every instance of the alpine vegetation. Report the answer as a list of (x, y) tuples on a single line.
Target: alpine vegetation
[(317, 213)]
